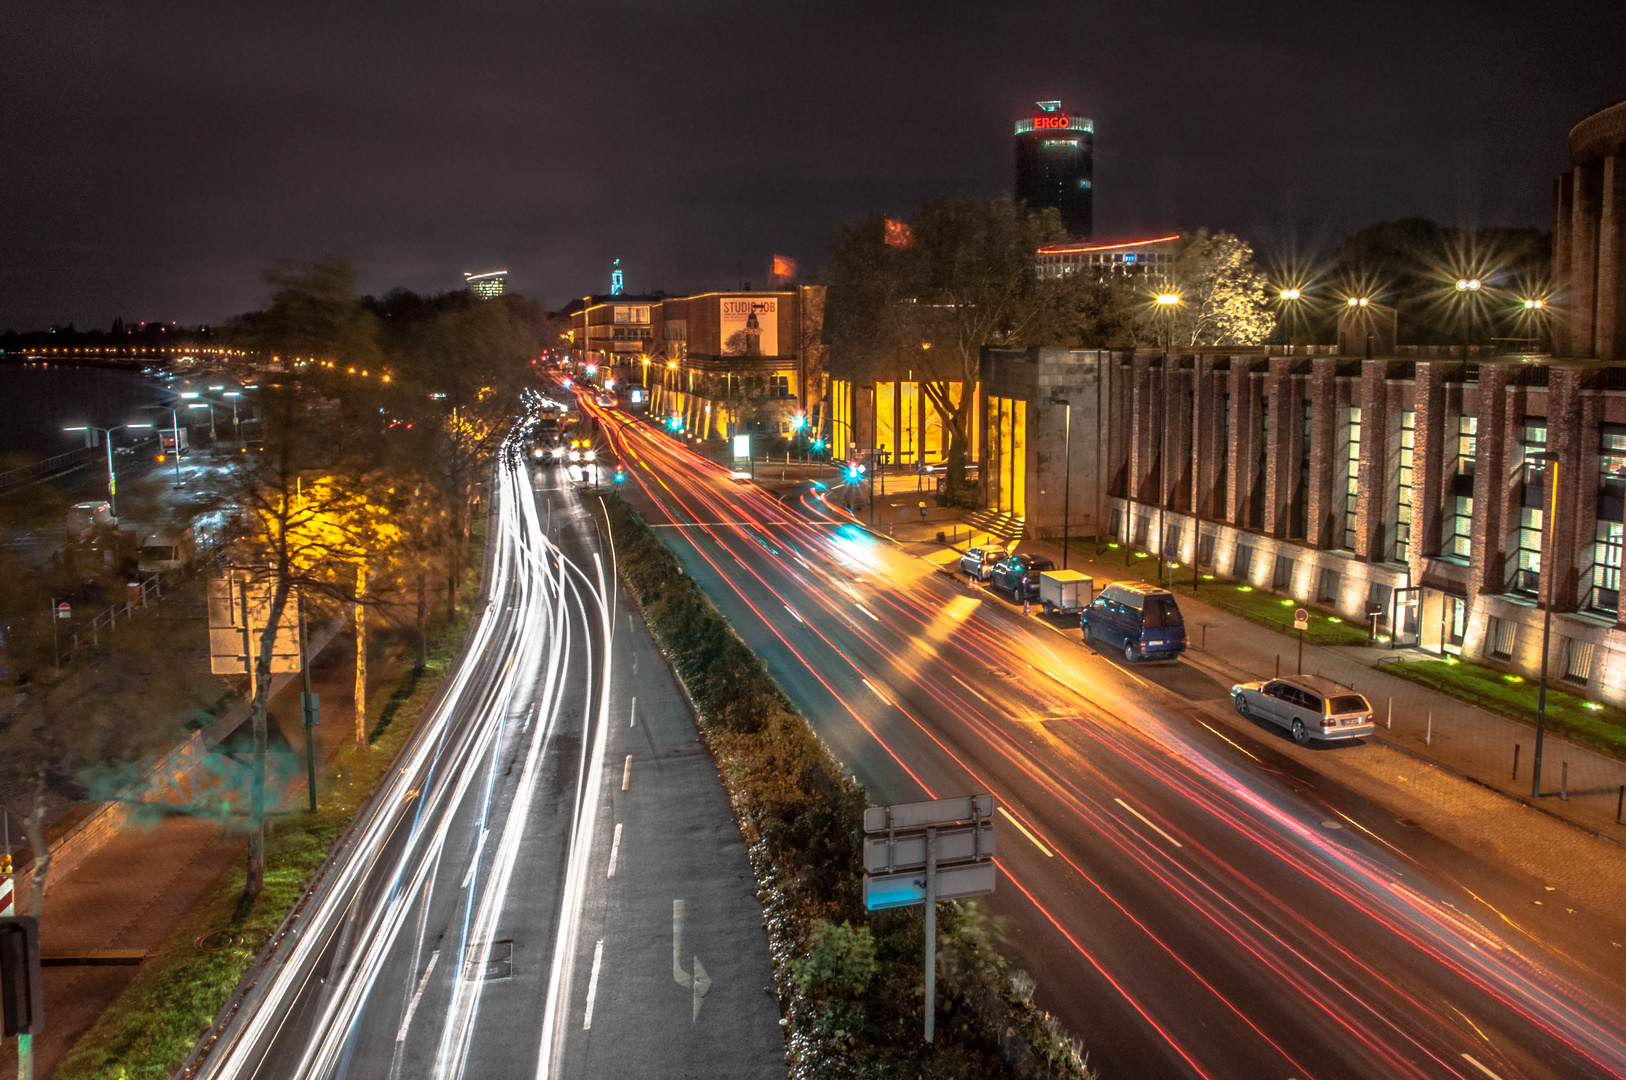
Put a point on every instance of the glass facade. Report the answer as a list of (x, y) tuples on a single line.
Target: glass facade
[(1457, 543), (1408, 440), (1609, 538), (1352, 472)]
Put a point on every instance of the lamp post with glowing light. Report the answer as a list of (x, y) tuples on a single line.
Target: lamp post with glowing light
[(1166, 303), (1467, 289), (1549, 527), (107, 434)]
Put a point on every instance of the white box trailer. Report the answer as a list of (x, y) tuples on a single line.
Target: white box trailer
[(1065, 592)]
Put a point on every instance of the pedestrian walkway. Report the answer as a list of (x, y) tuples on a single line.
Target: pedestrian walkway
[(1580, 785)]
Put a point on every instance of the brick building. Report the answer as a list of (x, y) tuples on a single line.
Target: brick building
[(1589, 239)]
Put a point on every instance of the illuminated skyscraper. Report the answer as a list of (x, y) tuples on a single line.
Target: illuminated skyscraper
[(1055, 166), (488, 285)]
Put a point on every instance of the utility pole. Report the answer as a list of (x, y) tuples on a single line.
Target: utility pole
[(310, 707)]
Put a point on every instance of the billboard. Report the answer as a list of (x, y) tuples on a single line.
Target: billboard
[(749, 326)]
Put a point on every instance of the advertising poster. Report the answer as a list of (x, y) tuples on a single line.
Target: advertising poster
[(750, 326)]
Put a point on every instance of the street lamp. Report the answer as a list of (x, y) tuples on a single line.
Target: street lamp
[(210, 406), (236, 428), (1468, 288), (1067, 475), (1549, 528), (107, 433)]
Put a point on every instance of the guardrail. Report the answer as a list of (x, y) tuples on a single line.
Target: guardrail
[(25, 473)]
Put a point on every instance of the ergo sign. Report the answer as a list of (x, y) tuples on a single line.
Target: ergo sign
[(1050, 123)]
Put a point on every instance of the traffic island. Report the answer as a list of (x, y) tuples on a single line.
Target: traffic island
[(849, 981)]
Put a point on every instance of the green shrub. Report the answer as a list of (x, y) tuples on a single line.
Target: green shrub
[(839, 959)]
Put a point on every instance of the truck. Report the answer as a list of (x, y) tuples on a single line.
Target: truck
[(167, 439), (84, 519), (165, 549), (1065, 592)]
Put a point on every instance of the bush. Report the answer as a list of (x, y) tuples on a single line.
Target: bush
[(850, 981)]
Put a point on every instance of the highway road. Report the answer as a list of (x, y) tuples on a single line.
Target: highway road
[(1192, 902), (474, 921)]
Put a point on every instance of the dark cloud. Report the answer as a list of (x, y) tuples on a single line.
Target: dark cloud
[(158, 156)]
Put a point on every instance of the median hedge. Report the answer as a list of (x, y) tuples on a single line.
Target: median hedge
[(849, 982)]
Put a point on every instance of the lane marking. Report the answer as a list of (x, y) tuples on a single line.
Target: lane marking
[(1148, 822), (876, 692), (1216, 731), (1470, 1059), (866, 611), (412, 1006), (626, 774), (1023, 830), (1470, 1023), (615, 849), (592, 981), (793, 614), (634, 722), (974, 690)]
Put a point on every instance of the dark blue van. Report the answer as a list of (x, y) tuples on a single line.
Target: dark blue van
[(1142, 620)]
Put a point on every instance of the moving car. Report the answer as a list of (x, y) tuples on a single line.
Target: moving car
[(978, 561), (1142, 620), (1307, 705), (1019, 575)]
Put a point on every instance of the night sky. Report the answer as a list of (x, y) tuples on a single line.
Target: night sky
[(157, 156)]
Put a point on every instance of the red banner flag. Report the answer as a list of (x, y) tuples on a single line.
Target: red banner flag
[(899, 234), (784, 267)]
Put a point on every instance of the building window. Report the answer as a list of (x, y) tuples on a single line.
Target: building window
[(1283, 577), (1408, 437), (779, 386), (1242, 564), (1331, 583), (1577, 661), (1606, 560), (1606, 547), (1143, 527), (1499, 638), (1352, 475), (1467, 444), (1205, 549), (1527, 559), (1171, 541), (1459, 523)]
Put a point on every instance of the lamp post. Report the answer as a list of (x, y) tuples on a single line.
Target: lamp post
[(1067, 475), (235, 426), (1468, 288), (1549, 526), (210, 406), (1166, 303), (107, 434)]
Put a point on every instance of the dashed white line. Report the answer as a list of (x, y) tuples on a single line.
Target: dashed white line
[(626, 774), (973, 689), (412, 1007), (793, 614), (615, 849), (1148, 822), (634, 714), (1023, 830), (1470, 1059), (866, 611), (592, 984), (876, 692)]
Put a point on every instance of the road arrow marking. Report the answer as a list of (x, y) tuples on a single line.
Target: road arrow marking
[(700, 982)]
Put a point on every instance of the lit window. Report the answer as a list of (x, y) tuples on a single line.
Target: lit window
[(1408, 435)]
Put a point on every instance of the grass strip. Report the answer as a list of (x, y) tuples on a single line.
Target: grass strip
[(1572, 716), (147, 1033), (850, 982), (1266, 608)]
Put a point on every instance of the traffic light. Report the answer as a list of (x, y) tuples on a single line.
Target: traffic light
[(620, 474), (798, 422), (855, 471)]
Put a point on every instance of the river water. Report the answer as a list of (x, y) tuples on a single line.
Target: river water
[(37, 401)]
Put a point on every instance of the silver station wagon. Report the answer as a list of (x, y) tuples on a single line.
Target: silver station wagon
[(1307, 705)]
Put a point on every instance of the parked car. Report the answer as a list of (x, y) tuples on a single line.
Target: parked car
[(1142, 620), (978, 561), (1307, 705), (1019, 575)]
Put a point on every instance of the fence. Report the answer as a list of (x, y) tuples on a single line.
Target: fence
[(24, 474), (137, 594)]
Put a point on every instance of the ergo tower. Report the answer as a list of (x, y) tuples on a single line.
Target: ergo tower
[(1055, 166)]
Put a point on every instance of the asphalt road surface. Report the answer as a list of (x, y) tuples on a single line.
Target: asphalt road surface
[(470, 924), (1190, 901)]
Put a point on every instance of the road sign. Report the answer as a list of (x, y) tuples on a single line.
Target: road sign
[(907, 888), (908, 850), (1301, 619), (22, 1001), (923, 852), (63, 611), (236, 604), (937, 812)]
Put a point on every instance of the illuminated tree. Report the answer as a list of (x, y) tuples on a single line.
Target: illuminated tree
[(1224, 296)]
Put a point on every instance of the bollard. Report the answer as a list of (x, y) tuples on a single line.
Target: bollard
[(1205, 637), (1278, 666), (1515, 761), (1620, 803), (1428, 732), (1389, 717), (1564, 783)]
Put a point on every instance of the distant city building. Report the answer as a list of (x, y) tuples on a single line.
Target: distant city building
[(488, 285), (1154, 256), (618, 281), (1055, 166)]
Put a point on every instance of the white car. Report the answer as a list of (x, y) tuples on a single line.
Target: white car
[(1307, 705)]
